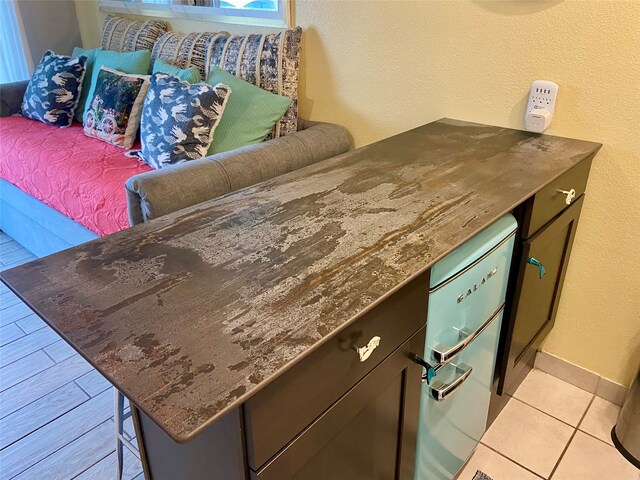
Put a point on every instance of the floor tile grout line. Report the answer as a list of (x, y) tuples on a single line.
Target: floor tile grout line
[(96, 394), (550, 416), (18, 319), (80, 386), (27, 404), (513, 461), (94, 464), (48, 422), (52, 359), (596, 438), (57, 450), (33, 374), (566, 447), (2, 345), (2, 365), (18, 325), (556, 418), (25, 332)]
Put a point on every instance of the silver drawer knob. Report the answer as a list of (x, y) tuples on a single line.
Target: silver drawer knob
[(570, 195), (366, 351)]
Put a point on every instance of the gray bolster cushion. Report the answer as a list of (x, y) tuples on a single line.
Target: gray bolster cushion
[(158, 192)]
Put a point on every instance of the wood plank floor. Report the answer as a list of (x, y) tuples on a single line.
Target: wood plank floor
[(56, 411)]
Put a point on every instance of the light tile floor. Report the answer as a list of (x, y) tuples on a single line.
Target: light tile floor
[(551, 430)]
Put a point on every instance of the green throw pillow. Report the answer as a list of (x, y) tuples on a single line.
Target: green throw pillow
[(86, 83), (191, 74), (249, 115), (126, 62)]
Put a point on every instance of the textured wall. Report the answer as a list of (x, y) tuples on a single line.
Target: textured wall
[(381, 67), (49, 26)]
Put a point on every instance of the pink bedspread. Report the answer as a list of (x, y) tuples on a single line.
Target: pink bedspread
[(81, 177)]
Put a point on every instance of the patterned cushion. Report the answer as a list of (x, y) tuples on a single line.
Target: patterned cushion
[(186, 49), (269, 61), (138, 63), (124, 35), (191, 74), (179, 119), (114, 111), (54, 89)]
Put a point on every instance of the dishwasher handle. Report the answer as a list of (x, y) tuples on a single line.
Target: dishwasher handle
[(445, 356), (441, 391)]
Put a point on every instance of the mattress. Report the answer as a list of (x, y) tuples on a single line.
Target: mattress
[(80, 177)]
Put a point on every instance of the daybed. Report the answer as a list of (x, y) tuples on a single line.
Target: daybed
[(59, 188)]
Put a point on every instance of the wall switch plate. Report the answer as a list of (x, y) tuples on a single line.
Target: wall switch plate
[(541, 105)]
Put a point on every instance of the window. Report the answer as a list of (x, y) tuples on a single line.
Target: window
[(270, 13), (13, 58)]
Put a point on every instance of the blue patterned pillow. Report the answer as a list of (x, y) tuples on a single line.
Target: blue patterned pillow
[(179, 119), (54, 89)]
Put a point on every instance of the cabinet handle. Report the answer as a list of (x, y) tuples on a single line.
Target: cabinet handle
[(570, 195), (537, 263), (431, 372), (441, 391), (366, 351)]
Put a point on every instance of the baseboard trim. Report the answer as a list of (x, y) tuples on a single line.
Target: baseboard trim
[(581, 377)]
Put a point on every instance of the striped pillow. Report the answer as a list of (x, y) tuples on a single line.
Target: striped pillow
[(269, 61), (124, 35), (188, 49)]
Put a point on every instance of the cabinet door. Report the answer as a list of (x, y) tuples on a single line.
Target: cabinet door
[(370, 433), (537, 297)]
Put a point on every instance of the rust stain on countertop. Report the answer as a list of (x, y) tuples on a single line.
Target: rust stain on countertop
[(191, 313)]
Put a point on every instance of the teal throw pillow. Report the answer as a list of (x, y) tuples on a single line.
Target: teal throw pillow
[(86, 83), (191, 74), (249, 115), (126, 62)]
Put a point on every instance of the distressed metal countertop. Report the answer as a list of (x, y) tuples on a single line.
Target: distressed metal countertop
[(192, 313)]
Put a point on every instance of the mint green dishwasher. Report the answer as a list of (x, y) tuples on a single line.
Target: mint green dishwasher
[(466, 303)]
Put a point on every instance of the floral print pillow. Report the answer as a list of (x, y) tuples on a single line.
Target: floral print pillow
[(54, 89), (179, 119), (114, 111)]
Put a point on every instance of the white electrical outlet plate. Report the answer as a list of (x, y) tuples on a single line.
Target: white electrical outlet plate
[(541, 105)]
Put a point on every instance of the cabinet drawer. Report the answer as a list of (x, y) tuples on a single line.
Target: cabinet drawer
[(280, 411), (550, 201), (370, 433)]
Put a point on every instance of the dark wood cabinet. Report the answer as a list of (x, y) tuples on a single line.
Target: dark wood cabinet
[(547, 229), (297, 398), (537, 296), (330, 416), (368, 433)]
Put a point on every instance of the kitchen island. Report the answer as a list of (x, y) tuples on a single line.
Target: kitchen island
[(232, 326)]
